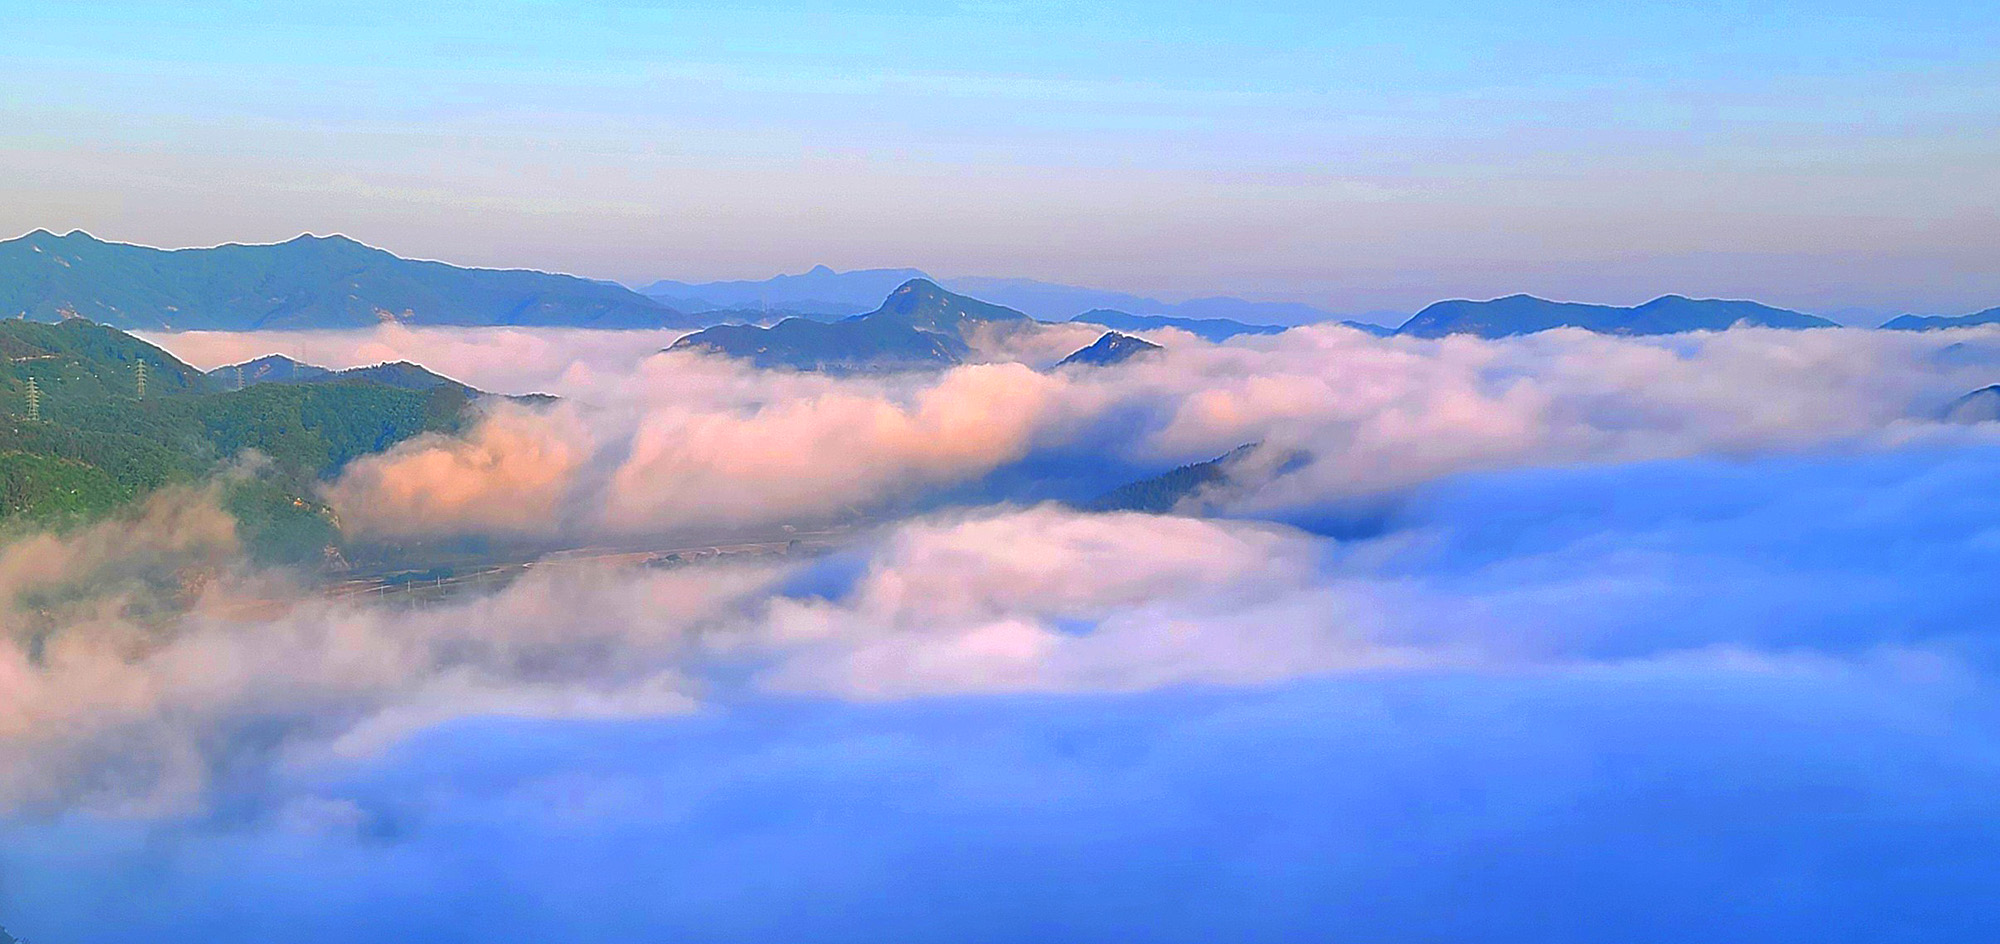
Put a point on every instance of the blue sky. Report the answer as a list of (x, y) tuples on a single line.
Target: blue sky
[(1356, 156)]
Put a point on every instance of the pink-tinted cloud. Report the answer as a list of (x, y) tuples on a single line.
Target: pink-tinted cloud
[(511, 474), (672, 441)]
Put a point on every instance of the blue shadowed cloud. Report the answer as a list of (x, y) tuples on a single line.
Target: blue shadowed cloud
[(1722, 700)]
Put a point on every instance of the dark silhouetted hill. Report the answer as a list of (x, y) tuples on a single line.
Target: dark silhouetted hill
[(308, 282), (1112, 348), (1162, 493), (919, 325), (1940, 322), (1668, 314)]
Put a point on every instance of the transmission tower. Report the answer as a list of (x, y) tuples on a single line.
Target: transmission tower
[(34, 401), (139, 373)]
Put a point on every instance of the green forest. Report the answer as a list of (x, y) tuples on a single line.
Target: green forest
[(95, 418)]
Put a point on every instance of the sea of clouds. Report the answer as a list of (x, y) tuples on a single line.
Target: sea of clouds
[(1565, 637)]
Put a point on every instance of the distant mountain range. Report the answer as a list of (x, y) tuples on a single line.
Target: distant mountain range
[(1112, 348), (1053, 302), (308, 282), (1939, 322), (1209, 329), (1669, 314), (819, 292), (1515, 315), (823, 292), (924, 326), (335, 282), (920, 325)]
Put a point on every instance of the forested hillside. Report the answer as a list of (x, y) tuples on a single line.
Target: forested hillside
[(92, 418)]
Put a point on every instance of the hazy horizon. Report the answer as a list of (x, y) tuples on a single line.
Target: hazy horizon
[(1855, 316)]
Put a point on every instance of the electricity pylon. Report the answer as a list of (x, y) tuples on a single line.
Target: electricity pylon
[(34, 401)]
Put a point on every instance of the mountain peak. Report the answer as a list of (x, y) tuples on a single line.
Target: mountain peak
[(45, 240), (820, 270), (922, 303), (921, 286), (1112, 348), (331, 239), (271, 368)]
